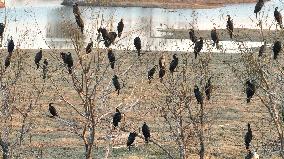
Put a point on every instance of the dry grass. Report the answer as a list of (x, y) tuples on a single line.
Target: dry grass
[(227, 112)]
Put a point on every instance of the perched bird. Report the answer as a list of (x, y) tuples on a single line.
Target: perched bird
[(162, 73), (78, 17), (250, 90), (44, 68), (174, 63), (120, 27), (38, 57), (8, 61), (230, 26), (252, 155), (111, 58), (248, 137), (131, 139), (151, 73), (215, 37), (208, 88), (262, 49), (76, 10), (278, 17), (258, 7), (108, 37), (69, 61), (63, 56), (162, 62), (116, 118), (198, 47), (11, 45), (137, 44), (112, 36), (2, 27), (146, 132), (198, 95), (192, 36), (276, 49), (89, 46), (52, 110), (116, 84), (80, 23)]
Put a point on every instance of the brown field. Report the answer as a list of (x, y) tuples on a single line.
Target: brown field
[(227, 112)]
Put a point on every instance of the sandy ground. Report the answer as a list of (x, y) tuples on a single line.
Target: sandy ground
[(227, 111), (162, 4)]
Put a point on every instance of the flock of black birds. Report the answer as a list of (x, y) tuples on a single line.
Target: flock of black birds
[(109, 38)]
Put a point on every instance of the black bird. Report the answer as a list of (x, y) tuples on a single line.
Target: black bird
[(112, 36), (63, 56), (44, 68), (78, 17), (208, 88), (248, 137), (116, 118), (151, 73), (52, 110), (120, 27), (80, 23), (276, 49), (198, 47), (174, 63), (2, 27), (137, 44), (116, 84), (11, 45), (162, 73), (111, 58), (198, 95), (76, 10), (108, 37), (8, 61), (250, 90), (278, 17), (131, 139), (38, 57), (258, 7), (215, 37), (69, 61), (262, 49), (146, 132), (230, 26), (89, 46), (192, 36)]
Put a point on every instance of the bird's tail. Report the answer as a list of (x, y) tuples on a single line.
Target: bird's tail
[(112, 65), (149, 81), (70, 70), (82, 30), (161, 80), (231, 34), (37, 65), (248, 100), (138, 52), (195, 54), (208, 97), (119, 34), (118, 91), (147, 140), (217, 46)]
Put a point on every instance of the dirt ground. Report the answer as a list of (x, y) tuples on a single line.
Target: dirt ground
[(227, 111)]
